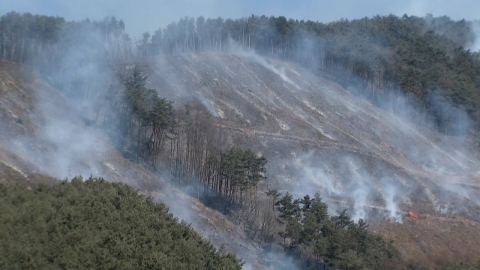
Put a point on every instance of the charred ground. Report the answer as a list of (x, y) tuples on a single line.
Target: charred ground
[(319, 136)]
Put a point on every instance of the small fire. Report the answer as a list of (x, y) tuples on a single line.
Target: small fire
[(413, 216)]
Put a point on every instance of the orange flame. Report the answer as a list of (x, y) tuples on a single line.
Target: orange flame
[(413, 216)]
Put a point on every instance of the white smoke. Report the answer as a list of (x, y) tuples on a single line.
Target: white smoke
[(235, 48), (475, 28)]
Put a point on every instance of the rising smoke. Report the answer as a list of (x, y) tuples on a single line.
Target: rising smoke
[(71, 145), (475, 27), (399, 135)]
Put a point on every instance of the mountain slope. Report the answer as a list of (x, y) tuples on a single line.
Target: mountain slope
[(45, 138), (318, 136)]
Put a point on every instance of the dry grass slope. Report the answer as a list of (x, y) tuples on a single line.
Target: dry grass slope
[(289, 115)]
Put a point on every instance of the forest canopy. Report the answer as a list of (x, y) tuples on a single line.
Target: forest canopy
[(94, 224)]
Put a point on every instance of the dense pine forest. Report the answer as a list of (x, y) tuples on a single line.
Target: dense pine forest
[(94, 224), (423, 59)]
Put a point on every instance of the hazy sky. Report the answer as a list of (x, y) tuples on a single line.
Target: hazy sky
[(149, 15)]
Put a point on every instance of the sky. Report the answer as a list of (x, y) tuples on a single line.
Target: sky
[(149, 15)]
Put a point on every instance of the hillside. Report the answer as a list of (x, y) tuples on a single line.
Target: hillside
[(29, 154), (343, 109), (318, 136)]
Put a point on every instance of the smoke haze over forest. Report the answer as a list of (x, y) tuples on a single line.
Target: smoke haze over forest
[(148, 15)]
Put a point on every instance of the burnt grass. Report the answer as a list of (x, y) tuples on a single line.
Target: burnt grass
[(285, 121)]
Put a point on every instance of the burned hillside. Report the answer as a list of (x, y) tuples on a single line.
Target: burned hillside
[(227, 126)]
